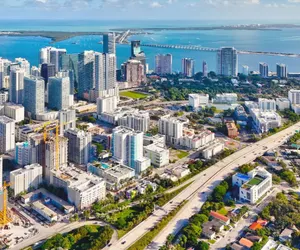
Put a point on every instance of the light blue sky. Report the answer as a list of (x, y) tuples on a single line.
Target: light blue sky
[(151, 9)]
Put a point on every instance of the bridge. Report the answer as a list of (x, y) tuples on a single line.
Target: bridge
[(199, 48), (122, 38)]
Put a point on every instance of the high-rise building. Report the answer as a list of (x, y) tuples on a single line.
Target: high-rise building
[(35, 71), (59, 93), (24, 64), (172, 128), (264, 70), (106, 104), (281, 70), (47, 70), (138, 54), (205, 69), (294, 96), (67, 120), (79, 145), (134, 73), (34, 95), (45, 55), (227, 59), (26, 178), (163, 64), (1, 172), (267, 104), (109, 45), (56, 57), (245, 70), (86, 72), (70, 63), (3, 96), (51, 155), (139, 121), (16, 89), (188, 67), (127, 148), (23, 153), (7, 134), (105, 74)]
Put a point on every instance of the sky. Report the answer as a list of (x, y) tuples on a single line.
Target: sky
[(151, 9)]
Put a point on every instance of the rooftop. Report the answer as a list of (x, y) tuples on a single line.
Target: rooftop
[(6, 120), (219, 216), (119, 171), (44, 208), (246, 243), (253, 182)]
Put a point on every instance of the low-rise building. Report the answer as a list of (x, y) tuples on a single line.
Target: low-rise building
[(254, 185), (113, 117), (219, 217), (24, 179), (181, 171), (83, 188), (266, 104), (282, 103), (198, 100), (232, 130), (286, 235), (226, 98), (212, 149), (158, 155), (44, 211), (155, 139), (195, 141), (211, 228), (240, 113), (263, 121), (115, 176)]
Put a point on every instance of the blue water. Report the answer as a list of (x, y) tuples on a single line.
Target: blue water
[(286, 40)]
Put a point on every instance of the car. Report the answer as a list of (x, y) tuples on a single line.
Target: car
[(109, 245), (123, 242)]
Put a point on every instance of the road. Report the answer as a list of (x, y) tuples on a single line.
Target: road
[(198, 191), (41, 236)]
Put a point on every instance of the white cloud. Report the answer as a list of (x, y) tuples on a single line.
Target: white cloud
[(155, 5)]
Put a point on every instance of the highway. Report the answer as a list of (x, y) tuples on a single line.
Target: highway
[(198, 191)]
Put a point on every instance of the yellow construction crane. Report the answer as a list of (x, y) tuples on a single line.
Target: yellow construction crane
[(4, 218)]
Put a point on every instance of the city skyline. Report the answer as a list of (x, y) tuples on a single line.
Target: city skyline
[(162, 9)]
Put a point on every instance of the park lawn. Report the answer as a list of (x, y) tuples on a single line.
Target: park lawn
[(223, 211), (181, 154), (133, 94), (128, 212)]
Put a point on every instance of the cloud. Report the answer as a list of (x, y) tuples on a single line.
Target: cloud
[(155, 5)]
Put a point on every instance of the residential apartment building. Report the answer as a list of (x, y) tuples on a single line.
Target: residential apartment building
[(265, 120), (226, 98), (7, 134), (198, 100), (172, 128), (106, 104), (158, 155), (266, 104), (24, 179), (139, 121), (283, 103), (163, 64), (212, 149), (232, 130), (227, 60)]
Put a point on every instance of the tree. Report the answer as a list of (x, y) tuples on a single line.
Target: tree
[(170, 239), (202, 246), (198, 219), (86, 214), (121, 223)]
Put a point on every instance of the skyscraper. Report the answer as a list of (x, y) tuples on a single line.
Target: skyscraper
[(16, 89), (138, 54), (205, 69), (67, 120), (24, 64), (105, 73), (34, 95), (70, 63), (227, 59), (56, 57), (79, 146), (281, 70), (245, 70), (7, 134), (163, 64), (58, 93), (133, 73), (47, 70), (188, 67), (86, 72), (109, 45), (264, 70)]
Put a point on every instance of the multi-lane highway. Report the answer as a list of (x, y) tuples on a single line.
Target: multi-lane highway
[(198, 191)]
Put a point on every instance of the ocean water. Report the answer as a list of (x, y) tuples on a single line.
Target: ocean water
[(286, 40)]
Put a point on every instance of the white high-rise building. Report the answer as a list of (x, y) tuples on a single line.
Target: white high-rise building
[(227, 59), (34, 95), (163, 64), (106, 104), (264, 70), (14, 111), (172, 128), (127, 148), (56, 57), (79, 146), (105, 74), (188, 67), (294, 96), (109, 44), (245, 70), (35, 71), (24, 64), (23, 153), (267, 104), (198, 100), (281, 70), (26, 178), (58, 93), (16, 86), (67, 120), (7, 134), (139, 121)]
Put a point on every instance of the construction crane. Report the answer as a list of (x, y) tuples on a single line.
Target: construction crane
[(4, 218)]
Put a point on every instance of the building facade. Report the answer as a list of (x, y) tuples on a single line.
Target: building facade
[(264, 70), (163, 64), (59, 93), (227, 59), (188, 67), (7, 134)]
